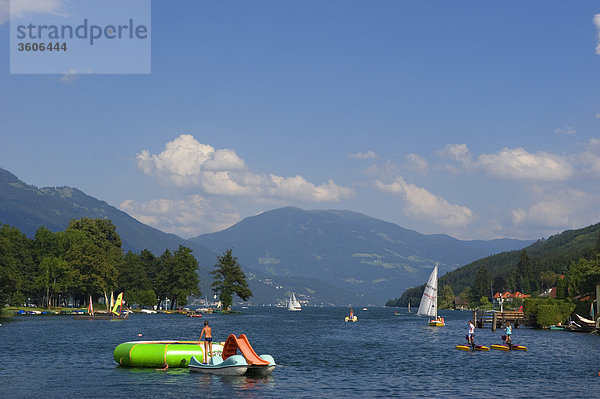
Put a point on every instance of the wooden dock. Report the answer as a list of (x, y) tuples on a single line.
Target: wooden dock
[(497, 319)]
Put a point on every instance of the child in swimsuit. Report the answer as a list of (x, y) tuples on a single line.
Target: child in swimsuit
[(207, 333)]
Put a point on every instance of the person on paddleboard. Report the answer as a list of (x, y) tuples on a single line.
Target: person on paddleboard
[(508, 332), (207, 333), (471, 335)]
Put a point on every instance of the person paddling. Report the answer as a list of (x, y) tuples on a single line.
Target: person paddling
[(471, 335), (207, 333), (508, 332)]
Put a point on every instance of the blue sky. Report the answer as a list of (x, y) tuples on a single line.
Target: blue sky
[(476, 119)]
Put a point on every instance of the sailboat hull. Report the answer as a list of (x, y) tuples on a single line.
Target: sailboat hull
[(436, 323)]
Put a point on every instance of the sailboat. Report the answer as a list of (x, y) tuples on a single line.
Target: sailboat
[(293, 303), (428, 304)]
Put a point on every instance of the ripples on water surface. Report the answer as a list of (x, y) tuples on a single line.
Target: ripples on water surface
[(319, 355)]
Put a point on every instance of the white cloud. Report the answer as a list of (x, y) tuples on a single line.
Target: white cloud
[(597, 23), (422, 204), (567, 130), (456, 152), (366, 155), (187, 218), (416, 162), (185, 162), (522, 165), (22, 7), (558, 209)]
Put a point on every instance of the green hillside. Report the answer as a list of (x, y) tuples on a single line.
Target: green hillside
[(554, 254)]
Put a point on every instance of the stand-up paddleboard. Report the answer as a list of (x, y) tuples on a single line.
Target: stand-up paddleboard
[(468, 348), (506, 348)]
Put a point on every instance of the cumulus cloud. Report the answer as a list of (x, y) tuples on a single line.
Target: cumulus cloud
[(521, 165), (187, 218), (422, 204), (185, 162), (363, 155), (456, 152), (568, 130), (597, 23), (21, 8), (416, 162), (559, 209)]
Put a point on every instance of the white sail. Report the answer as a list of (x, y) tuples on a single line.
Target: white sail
[(428, 304), (293, 303)]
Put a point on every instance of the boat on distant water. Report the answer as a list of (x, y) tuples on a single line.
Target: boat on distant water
[(428, 306), (293, 303), (116, 313)]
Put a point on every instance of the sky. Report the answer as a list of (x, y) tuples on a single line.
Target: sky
[(475, 119)]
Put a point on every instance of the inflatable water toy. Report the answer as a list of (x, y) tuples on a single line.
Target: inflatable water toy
[(257, 365), (233, 365), (507, 348), (160, 353), (477, 348), (347, 319)]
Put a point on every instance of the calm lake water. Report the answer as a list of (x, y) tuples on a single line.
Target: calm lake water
[(318, 355)]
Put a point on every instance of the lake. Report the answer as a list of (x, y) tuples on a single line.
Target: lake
[(318, 355)]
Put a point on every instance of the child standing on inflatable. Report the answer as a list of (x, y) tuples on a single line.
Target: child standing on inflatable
[(207, 332), (471, 335)]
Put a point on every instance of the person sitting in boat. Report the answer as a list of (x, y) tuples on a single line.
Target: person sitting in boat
[(207, 333), (471, 334), (508, 333)]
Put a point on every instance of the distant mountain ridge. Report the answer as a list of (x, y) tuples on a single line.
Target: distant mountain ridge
[(346, 249), (27, 207)]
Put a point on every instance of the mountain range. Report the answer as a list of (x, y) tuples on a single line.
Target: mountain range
[(325, 256), (346, 249)]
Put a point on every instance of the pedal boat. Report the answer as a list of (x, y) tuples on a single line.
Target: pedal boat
[(233, 365)]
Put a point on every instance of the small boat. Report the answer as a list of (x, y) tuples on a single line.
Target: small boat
[(149, 311), (353, 319), (507, 348), (428, 306), (194, 315), (293, 303), (258, 365), (233, 365), (482, 348)]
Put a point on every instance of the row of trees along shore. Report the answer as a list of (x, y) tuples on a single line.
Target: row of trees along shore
[(87, 259), (569, 261)]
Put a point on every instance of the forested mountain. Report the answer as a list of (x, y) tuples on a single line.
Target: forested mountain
[(27, 208), (529, 270), (346, 249)]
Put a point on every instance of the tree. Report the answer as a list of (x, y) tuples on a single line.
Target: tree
[(446, 297), (526, 271), (94, 253), (482, 283), (229, 279), (133, 279), (17, 267), (177, 276)]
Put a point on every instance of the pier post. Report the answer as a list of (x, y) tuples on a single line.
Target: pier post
[(475, 318), (494, 321)]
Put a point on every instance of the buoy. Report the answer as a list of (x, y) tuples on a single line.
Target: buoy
[(139, 335)]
